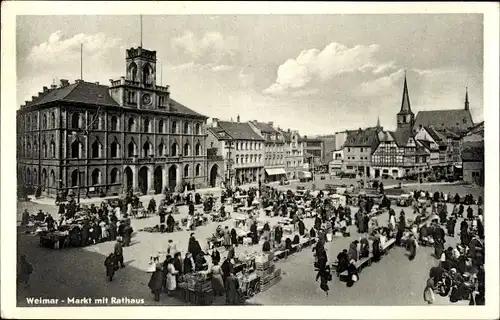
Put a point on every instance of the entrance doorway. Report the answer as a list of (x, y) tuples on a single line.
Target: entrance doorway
[(158, 180), (129, 179), (172, 177), (143, 180), (213, 175), (377, 173)]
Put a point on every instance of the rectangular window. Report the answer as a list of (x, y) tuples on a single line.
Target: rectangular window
[(361, 150)]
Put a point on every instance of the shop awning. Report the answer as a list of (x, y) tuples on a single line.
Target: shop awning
[(275, 171)]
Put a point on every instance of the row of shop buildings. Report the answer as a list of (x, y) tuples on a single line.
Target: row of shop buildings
[(436, 143)]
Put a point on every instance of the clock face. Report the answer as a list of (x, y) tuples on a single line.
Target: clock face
[(146, 98)]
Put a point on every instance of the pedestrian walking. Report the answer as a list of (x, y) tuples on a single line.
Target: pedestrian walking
[(111, 266), (25, 269), (325, 275), (118, 251)]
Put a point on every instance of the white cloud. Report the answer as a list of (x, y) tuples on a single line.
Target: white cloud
[(380, 86), (213, 45), (333, 60), (305, 93), (384, 67), (223, 67), (58, 49)]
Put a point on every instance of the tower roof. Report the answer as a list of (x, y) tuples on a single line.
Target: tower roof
[(405, 103), (466, 99)]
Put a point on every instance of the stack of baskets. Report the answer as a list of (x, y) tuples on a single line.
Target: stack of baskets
[(266, 270)]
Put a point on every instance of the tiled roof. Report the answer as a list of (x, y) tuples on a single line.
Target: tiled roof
[(447, 133), (92, 93), (385, 136), (402, 136), (239, 130), (473, 151), (362, 138), (458, 118), (265, 127), (433, 133), (478, 128), (426, 144), (421, 151)]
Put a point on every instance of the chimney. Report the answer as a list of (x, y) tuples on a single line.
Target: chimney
[(78, 81), (270, 123), (64, 83), (53, 87), (45, 89), (238, 118), (215, 122)]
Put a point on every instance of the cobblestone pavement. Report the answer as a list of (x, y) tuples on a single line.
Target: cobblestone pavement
[(79, 272)]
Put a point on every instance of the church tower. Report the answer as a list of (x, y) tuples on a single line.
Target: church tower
[(405, 116), (466, 99)]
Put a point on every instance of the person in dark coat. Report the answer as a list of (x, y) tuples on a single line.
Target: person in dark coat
[(255, 235), (170, 223), (461, 210), (353, 251), (215, 257), (200, 263), (412, 247), (194, 246), (232, 289), (352, 273), (302, 228), (25, 218), (85, 233), (118, 252), (401, 228), (312, 233), (376, 249), (317, 223), (156, 283), (470, 213), (450, 226), (325, 274), (24, 271), (480, 229), (343, 261), (365, 248), (112, 230), (111, 266), (127, 235), (162, 215), (234, 237), (278, 234), (226, 269), (188, 264)]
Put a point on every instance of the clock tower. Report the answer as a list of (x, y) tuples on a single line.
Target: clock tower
[(138, 88)]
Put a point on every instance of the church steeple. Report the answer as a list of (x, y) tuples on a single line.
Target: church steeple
[(466, 99), (378, 122), (405, 116)]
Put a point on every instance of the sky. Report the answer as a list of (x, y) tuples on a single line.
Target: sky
[(318, 74)]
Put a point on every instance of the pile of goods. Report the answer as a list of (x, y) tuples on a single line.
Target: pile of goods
[(198, 288), (266, 271)]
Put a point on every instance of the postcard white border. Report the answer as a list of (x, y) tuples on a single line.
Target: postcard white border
[(8, 163)]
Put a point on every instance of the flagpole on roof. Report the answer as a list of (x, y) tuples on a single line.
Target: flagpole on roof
[(81, 61), (141, 30)]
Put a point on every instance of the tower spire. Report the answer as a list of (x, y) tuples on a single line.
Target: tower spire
[(141, 30), (81, 61), (378, 122), (466, 99), (405, 103)]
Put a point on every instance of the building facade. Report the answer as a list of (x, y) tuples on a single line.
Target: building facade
[(358, 149), (107, 140), (241, 148), (274, 150), (473, 162), (313, 150), (398, 154), (294, 154), (336, 164)]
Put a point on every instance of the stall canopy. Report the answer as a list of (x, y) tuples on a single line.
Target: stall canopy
[(307, 174), (275, 171)]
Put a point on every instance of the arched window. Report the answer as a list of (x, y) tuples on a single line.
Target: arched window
[(186, 127), (147, 150), (131, 124), (75, 120), (28, 176), (174, 150), (44, 122), (115, 149), (74, 178), (28, 123), (75, 149), (132, 72), (35, 149), (174, 127), (260, 157), (131, 149), (198, 170), (246, 145), (161, 125), (186, 170), (246, 158), (237, 159), (35, 122), (114, 175), (44, 178), (44, 148), (35, 177), (198, 128), (251, 158), (52, 149), (114, 123), (198, 149), (161, 149), (28, 150), (96, 177), (52, 120), (147, 73), (146, 125), (187, 149), (96, 149), (52, 179)]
